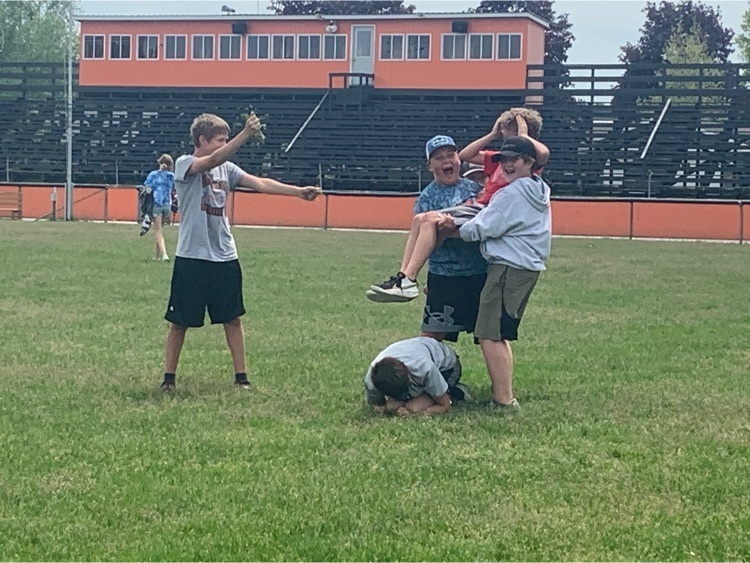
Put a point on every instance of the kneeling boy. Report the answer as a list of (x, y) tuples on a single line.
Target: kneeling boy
[(417, 375)]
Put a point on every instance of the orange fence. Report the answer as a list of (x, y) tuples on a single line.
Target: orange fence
[(632, 218)]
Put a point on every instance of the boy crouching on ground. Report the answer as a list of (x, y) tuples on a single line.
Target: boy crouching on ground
[(415, 376)]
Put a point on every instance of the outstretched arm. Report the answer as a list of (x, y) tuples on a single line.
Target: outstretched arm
[(271, 186)]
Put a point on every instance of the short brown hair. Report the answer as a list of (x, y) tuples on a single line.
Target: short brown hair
[(391, 377), (208, 125), (166, 159), (532, 117)]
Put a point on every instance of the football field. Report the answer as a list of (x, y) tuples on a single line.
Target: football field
[(633, 442)]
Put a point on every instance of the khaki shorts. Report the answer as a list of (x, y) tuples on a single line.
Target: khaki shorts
[(503, 301)]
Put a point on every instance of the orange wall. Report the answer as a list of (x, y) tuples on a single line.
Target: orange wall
[(428, 74), (726, 220)]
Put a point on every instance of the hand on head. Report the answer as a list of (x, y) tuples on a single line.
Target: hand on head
[(522, 126)]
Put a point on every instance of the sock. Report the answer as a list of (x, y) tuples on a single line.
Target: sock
[(240, 377), (169, 377)]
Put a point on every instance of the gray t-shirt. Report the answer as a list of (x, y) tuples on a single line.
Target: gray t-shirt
[(204, 224), (425, 358)]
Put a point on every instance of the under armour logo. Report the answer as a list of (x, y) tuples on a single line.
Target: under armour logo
[(440, 322)]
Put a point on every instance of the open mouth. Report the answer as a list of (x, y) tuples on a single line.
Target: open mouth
[(448, 169)]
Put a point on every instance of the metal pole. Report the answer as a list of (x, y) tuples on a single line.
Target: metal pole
[(7, 169), (69, 118)]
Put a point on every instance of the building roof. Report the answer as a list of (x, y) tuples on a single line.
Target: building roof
[(266, 17)]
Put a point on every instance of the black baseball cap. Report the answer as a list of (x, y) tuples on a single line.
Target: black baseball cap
[(515, 146)]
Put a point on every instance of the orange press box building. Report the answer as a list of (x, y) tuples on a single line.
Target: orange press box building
[(411, 51)]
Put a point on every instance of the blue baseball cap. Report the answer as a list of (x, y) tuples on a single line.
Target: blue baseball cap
[(438, 141)]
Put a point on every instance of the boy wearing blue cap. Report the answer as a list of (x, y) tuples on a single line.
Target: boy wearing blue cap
[(457, 270)]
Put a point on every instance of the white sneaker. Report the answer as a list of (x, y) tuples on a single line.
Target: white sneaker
[(164, 258), (511, 407), (395, 290)]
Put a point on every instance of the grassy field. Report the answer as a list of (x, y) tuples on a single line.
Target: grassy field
[(633, 442)]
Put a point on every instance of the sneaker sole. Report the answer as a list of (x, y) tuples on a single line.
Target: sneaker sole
[(382, 296), (385, 298)]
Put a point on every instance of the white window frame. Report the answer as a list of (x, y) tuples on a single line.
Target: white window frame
[(94, 37), (284, 38), (202, 37), (166, 50), (335, 37), (390, 37), (309, 38), (148, 37), (239, 48), (419, 37), (508, 37), (254, 37), (481, 37), (453, 36), (130, 47)]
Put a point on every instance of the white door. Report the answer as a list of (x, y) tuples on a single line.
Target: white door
[(363, 50)]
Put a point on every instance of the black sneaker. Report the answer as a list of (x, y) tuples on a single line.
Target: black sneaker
[(394, 281), (242, 384), (397, 289), (167, 385)]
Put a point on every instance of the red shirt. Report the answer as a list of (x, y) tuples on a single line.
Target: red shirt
[(495, 179)]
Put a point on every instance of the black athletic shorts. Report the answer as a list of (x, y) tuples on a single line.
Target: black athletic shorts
[(198, 285), (452, 304)]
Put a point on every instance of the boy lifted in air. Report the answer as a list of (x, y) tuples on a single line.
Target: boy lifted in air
[(425, 236), (414, 376)]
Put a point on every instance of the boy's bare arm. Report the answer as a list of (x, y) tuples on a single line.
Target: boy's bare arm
[(542, 152), (224, 153), (271, 186), (391, 405), (474, 151), (424, 404)]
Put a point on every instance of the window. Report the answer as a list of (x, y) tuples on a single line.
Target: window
[(148, 46), (282, 47), (391, 47), (203, 47), (257, 47), (509, 46), (119, 46), (418, 47), (230, 46), (308, 47), (93, 46), (480, 46), (454, 46), (334, 47), (175, 47)]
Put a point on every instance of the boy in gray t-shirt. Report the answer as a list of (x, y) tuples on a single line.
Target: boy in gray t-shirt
[(416, 375), (207, 274)]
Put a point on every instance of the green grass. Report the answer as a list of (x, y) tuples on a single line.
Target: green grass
[(633, 441)]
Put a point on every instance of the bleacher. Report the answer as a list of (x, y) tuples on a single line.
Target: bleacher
[(368, 139)]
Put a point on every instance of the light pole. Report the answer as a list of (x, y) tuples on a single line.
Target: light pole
[(69, 120)]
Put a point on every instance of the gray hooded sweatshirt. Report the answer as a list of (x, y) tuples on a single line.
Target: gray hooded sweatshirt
[(515, 228)]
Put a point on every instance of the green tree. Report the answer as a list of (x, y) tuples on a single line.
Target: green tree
[(35, 30), (557, 39), (330, 7), (690, 48), (743, 39), (667, 18)]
